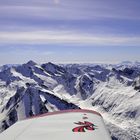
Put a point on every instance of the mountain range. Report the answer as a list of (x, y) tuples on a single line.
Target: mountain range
[(113, 90)]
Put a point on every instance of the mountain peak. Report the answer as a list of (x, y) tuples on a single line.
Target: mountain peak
[(32, 63)]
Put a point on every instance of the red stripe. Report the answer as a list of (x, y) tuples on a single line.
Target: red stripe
[(82, 129), (88, 123), (78, 129), (75, 129), (89, 128), (67, 111)]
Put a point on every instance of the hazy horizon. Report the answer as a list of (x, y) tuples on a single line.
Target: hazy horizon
[(73, 63)]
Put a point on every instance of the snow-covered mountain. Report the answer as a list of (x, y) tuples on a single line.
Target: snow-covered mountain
[(113, 90)]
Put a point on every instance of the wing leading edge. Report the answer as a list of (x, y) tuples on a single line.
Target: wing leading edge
[(60, 125)]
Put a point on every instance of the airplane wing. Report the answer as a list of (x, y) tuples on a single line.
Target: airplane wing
[(60, 125)]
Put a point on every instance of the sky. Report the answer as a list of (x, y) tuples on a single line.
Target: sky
[(69, 31)]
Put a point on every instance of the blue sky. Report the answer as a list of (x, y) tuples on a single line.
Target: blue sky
[(69, 31)]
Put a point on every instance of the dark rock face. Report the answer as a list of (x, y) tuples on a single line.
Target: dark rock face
[(86, 86), (128, 71), (136, 83), (114, 138)]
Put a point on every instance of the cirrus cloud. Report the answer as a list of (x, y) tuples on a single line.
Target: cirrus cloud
[(66, 37)]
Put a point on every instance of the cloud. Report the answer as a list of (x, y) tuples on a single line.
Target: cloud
[(71, 10), (67, 37)]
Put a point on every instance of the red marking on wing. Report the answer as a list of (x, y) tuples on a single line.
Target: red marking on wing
[(78, 129), (84, 126), (88, 123), (80, 123), (89, 128)]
